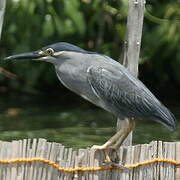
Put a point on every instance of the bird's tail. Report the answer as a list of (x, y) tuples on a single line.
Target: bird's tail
[(164, 116)]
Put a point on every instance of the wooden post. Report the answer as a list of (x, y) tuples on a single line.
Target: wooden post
[(2, 10), (132, 46)]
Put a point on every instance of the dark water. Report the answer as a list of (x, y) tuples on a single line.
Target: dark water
[(75, 127)]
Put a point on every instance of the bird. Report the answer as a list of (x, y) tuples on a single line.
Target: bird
[(104, 82)]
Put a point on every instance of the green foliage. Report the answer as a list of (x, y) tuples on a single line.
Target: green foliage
[(98, 25), (162, 41)]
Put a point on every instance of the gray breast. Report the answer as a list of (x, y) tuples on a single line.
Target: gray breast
[(75, 79)]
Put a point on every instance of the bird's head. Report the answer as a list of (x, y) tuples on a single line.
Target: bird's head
[(51, 53)]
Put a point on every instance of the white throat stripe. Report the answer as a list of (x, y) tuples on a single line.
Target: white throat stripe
[(58, 53)]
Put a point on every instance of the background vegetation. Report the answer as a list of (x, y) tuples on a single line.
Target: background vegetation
[(98, 25)]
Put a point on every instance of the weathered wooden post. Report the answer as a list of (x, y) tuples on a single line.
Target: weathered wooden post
[(132, 46), (2, 10)]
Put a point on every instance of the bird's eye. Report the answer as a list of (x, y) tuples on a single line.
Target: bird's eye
[(49, 51)]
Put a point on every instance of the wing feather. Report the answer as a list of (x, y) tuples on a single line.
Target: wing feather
[(120, 94)]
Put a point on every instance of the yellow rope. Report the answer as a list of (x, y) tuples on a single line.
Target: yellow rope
[(82, 169)]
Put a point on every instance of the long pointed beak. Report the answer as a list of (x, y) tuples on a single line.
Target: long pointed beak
[(30, 55)]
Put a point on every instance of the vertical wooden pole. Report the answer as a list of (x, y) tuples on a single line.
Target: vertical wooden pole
[(2, 10), (132, 46)]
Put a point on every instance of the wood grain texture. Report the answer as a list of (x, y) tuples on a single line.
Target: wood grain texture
[(132, 46), (70, 158)]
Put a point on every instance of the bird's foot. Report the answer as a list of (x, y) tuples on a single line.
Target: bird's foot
[(107, 159)]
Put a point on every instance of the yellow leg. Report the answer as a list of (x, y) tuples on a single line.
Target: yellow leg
[(130, 127), (115, 141)]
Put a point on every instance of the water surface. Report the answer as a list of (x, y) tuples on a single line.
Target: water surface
[(75, 127)]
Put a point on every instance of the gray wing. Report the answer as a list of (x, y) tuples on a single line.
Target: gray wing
[(121, 95)]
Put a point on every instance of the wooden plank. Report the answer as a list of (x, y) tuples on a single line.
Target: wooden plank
[(136, 157), (153, 169), (142, 158), (20, 167), (132, 46), (134, 34), (61, 161), (169, 153), (53, 156), (8, 170), (15, 155), (2, 156), (24, 155), (28, 155), (160, 165), (32, 153), (81, 161), (177, 158)]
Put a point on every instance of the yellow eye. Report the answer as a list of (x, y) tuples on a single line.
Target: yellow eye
[(49, 51)]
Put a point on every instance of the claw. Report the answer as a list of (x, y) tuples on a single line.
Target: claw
[(107, 159), (104, 149)]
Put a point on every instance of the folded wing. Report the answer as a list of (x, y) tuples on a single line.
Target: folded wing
[(126, 96)]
